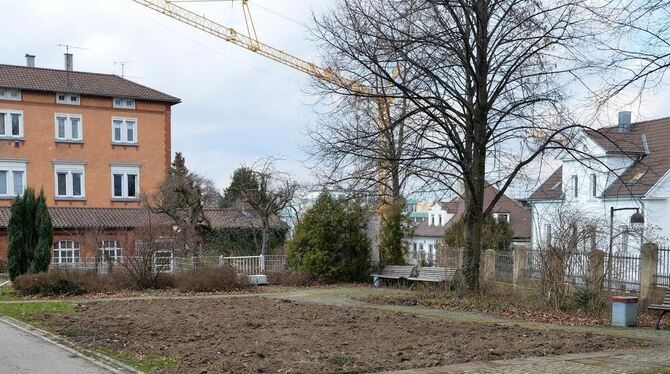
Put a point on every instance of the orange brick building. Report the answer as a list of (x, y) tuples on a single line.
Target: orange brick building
[(88, 140), (93, 142)]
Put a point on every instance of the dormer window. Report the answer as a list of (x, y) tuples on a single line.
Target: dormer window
[(121, 103), (10, 94), (69, 99), (501, 217)]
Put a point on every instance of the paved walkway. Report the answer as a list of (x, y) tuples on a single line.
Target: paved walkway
[(628, 361), (21, 351)]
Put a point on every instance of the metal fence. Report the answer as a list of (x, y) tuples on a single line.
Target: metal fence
[(663, 269), (534, 264), (168, 263), (625, 273), (504, 266)]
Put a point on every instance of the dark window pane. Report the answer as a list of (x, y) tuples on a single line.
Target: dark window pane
[(62, 184), (15, 124), (75, 128), (18, 182), (2, 123), (118, 185), (132, 180), (3, 182), (61, 127), (76, 184)]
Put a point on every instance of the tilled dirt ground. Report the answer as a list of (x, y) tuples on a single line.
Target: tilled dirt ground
[(258, 335)]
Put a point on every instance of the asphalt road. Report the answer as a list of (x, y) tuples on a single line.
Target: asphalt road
[(23, 352)]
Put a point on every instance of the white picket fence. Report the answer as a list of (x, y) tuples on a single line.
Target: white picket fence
[(168, 263)]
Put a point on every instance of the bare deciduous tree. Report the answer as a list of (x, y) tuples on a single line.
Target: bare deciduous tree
[(274, 192), (182, 196), (485, 80)]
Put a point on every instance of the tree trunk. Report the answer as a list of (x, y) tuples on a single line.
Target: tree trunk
[(265, 238), (473, 219)]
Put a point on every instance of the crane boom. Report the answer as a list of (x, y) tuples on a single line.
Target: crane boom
[(229, 34)]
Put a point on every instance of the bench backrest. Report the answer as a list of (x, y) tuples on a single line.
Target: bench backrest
[(666, 299), (399, 271), (437, 274)]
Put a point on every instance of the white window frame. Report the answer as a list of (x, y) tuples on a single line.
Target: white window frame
[(68, 127), (594, 185), (507, 216), (68, 99), (6, 94), (110, 246), (69, 169), (11, 166), (7, 125), (124, 130), (548, 234), (123, 103), (60, 253), (160, 263), (125, 170)]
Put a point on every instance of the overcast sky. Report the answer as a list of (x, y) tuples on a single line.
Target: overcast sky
[(237, 107)]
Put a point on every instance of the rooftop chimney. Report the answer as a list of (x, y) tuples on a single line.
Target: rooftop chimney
[(69, 64), (624, 121), (30, 60)]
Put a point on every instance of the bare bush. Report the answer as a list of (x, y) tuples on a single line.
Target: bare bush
[(209, 279), (69, 283)]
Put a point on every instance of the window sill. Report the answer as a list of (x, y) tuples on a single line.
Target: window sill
[(7, 197), (65, 141), (65, 198), (13, 138), (126, 199), (114, 144)]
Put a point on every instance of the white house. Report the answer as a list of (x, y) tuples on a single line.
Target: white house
[(428, 234), (623, 167)]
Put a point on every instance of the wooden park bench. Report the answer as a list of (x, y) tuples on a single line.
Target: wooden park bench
[(433, 275), (663, 308), (395, 273)]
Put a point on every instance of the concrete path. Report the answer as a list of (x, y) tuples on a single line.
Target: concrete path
[(23, 351)]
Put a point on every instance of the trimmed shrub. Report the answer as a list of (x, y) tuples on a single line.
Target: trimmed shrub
[(331, 242), (208, 279)]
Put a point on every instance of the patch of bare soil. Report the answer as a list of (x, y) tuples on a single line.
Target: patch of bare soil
[(518, 308), (258, 335)]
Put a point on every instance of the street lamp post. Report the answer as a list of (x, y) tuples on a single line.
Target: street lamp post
[(635, 218)]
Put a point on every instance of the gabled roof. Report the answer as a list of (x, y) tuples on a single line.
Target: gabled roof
[(76, 82), (648, 169), (519, 216), (651, 160), (450, 206), (127, 218), (551, 189)]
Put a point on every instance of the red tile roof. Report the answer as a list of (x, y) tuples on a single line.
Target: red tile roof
[(645, 171), (63, 81), (551, 189), (123, 218), (519, 216)]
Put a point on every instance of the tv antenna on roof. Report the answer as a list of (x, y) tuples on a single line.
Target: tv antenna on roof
[(68, 46), (123, 67)]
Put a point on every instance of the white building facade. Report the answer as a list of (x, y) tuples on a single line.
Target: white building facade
[(622, 168)]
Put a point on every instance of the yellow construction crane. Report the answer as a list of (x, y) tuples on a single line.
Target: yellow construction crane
[(250, 42)]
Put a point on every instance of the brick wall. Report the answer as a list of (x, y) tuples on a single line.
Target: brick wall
[(41, 149)]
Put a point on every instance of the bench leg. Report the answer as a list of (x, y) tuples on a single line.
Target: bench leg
[(658, 323)]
